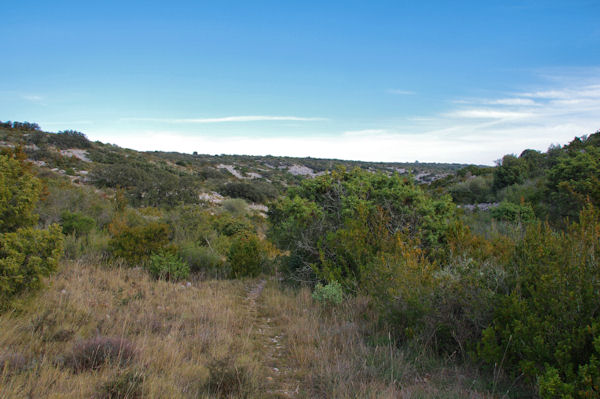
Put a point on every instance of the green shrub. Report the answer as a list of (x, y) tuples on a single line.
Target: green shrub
[(330, 294), (136, 244), (255, 191), (167, 266), (548, 326), (202, 259), (76, 223), (19, 194), (245, 256), (236, 207), (338, 223), (509, 212), (26, 254)]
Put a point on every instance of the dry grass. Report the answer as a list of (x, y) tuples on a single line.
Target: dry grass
[(327, 354), (178, 332), (229, 339)]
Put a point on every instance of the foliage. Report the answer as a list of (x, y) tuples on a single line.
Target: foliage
[(510, 170), (245, 255), (76, 223), (202, 259), (69, 139), (475, 189), (330, 294), (146, 183), (26, 254), (19, 193), (336, 224), (255, 191), (135, 244), (510, 212), (167, 266), (548, 325), (574, 180)]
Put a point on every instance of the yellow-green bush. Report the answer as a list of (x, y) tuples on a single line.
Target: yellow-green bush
[(245, 256), (135, 244), (26, 254)]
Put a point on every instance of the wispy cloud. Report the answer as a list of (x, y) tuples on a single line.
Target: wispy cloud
[(475, 130), (488, 114), (401, 92), (226, 119), (32, 97), (365, 132), (513, 101)]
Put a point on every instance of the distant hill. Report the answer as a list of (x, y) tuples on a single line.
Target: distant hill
[(167, 178)]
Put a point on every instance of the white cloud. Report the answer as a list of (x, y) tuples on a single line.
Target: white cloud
[(479, 130), (401, 92), (365, 132), (225, 119), (488, 114), (513, 101)]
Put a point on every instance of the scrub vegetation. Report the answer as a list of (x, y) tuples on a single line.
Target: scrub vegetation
[(163, 275)]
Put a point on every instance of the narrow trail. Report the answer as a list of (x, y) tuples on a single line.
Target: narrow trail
[(272, 346)]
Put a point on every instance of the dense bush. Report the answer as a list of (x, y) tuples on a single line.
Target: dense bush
[(19, 193), (335, 225), (76, 223), (147, 184), (202, 260), (475, 189), (245, 256), (69, 139), (135, 244), (548, 326), (168, 266), (252, 191), (26, 254), (507, 211)]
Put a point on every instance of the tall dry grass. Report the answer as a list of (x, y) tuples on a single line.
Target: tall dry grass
[(111, 332), (341, 352), (183, 336)]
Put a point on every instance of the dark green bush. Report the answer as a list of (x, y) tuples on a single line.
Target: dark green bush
[(255, 191), (509, 212), (69, 139), (76, 223), (548, 326), (168, 266)]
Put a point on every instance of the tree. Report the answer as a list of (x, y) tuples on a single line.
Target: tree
[(510, 170)]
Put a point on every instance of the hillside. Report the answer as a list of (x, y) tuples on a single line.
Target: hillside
[(130, 274), (161, 178)]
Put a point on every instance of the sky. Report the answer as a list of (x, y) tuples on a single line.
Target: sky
[(433, 81)]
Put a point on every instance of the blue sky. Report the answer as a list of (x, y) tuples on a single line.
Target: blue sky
[(460, 81)]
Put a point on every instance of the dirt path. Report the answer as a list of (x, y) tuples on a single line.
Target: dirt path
[(271, 343)]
